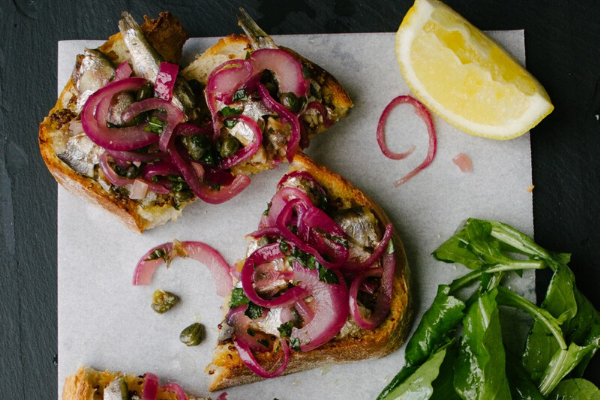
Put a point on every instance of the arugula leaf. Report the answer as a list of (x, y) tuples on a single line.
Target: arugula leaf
[(521, 386), (475, 247), (480, 369), (561, 364), (584, 329), (415, 383), (575, 389), (443, 385), (436, 327)]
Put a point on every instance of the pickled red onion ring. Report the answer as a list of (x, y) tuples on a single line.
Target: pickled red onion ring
[(285, 115), (279, 200), (224, 193), (260, 256), (123, 71), (175, 388), (381, 130), (165, 80), (240, 322), (110, 174), (317, 105), (174, 117), (384, 297), (95, 114), (287, 69), (150, 389), (118, 180), (247, 357), (331, 308), (130, 156), (422, 112), (304, 310), (199, 251)]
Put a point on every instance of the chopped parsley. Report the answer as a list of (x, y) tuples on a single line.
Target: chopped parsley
[(284, 247), (390, 248), (327, 275), (305, 71), (314, 92), (337, 239), (230, 123), (264, 342), (156, 254), (155, 125), (251, 332), (179, 184), (285, 330), (240, 94), (253, 311), (227, 111), (266, 212), (295, 344), (238, 297)]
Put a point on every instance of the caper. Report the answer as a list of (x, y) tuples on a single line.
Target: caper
[(145, 92), (230, 146), (163, 301), (132, 172), (192, 335), (182, 196), (290, 101), (196, 145)]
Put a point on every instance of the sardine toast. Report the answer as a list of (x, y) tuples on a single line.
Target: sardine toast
[(87, 384), (325, 281), (135, 137)]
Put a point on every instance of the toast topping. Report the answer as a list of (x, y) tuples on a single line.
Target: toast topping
[(299, 286)]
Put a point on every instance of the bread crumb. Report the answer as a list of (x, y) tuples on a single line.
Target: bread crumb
[(530, 188)]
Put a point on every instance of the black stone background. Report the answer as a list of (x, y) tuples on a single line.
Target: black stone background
[(563, 52)]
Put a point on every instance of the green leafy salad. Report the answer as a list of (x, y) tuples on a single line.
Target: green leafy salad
[(457, 351)]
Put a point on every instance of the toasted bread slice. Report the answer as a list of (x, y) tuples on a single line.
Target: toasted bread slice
[(227, 369), (90, 384), (167, 36), (331, 93)]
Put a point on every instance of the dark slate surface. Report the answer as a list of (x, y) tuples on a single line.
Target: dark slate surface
[(563, 52)]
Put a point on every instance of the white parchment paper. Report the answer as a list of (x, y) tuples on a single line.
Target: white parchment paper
[(106, 323)]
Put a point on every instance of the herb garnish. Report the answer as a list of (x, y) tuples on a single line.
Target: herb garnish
[(295, 344), (240, 94), (227, 111), (238, 298), (156, 254), (155, 125), (253, 311), (285, 329)]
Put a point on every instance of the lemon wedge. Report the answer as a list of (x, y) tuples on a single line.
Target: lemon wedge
[(464, 76)]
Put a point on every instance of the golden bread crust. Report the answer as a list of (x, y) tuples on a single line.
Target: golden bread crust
[(227, 369), (88, 384)]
